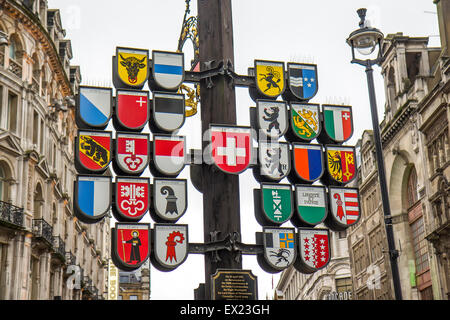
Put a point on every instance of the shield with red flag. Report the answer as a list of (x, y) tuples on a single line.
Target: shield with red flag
[(231, 148), (130, 245), (131, 153), (131, 198), (132, 110)]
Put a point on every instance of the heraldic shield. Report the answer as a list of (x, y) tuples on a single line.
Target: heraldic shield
[(274, 161), (169, 199), (169, 155), (344, 208), (305, 121), (167, 71), (313, 249), (307, 163), (170, 246), (131, 153), (93, 151), (130, 246), (302, 79), (311, 205), (231, 148), (272, 120), (280, 250), (132, 110), (276, 203), (92, 197), (341, 165), (168, 112), (269, 79), (337, 124), (131, 198), (93, 107), (130, 68)]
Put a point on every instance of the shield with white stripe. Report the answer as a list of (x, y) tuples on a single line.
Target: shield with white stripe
[(131, 153), (231, 148), (169, 154), (344, 207), (94, 107), (167, 70), (168, 111), (92, 197)]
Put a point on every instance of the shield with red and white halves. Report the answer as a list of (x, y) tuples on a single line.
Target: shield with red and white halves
[(132, 110), (131, 153), (344, 208), (93, 151), (130, 246), (170, 246), (314, 250), (231, 148), (169, 155), (132, 198)]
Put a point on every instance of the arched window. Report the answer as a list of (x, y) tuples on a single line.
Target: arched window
[(12, 49), (38, 203), (5, 176), (411, 188), (15, 55)]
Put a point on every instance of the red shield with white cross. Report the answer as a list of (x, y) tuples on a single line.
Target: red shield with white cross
[(131, 153), (132, 198), (132, 109), (231, 148), (314, 249)]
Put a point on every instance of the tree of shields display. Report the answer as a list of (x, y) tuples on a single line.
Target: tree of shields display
[(337, 124), (310, 204), (168, 155), (313, 249), (269, 80), (130, 247), (131, 198), (92, 197), (130, 68), (132, 110), (279, 249), (270, 118), (273, 204), (168, 112), (169, 200), (167, 71), (171, 246), (302, 82), (341, 165), (93, 107), (344, 208), (231, 148), (274, 161), (93, 151), (131, 153), (307, 163), (304, 122)]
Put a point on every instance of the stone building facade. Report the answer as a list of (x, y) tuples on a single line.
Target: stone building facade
[(45, 253)]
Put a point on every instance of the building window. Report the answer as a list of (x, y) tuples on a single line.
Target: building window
[(344, 285), (360, 257), (376, 244), (35, 127), (412, 188), (2, 184), (133, 297), (12, 112), (382, 292), (420, 245)]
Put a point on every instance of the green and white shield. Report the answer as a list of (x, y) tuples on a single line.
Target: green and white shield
[(311, 204), (277, 202)]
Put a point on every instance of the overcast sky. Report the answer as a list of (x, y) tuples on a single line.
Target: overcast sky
[(284, 30)]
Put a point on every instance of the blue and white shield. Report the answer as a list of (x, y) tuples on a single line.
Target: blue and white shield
[(94, 107), (302, 80), (92, 197), (168, 69)]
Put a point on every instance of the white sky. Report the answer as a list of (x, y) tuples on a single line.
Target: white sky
[(285, 30)]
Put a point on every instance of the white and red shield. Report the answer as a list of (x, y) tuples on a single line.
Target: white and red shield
[(131, 153), (344, 205), (231, 148), (132, 198), (132, 109), (171, 246), (314, 249), (169, 154)]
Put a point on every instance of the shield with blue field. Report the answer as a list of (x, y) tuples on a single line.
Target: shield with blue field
[(307, 162), (94, 107), (167, 70), (302, 80), (279, 248), (92, 197)]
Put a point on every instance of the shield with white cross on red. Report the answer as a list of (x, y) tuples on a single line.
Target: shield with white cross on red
[(231, 148)]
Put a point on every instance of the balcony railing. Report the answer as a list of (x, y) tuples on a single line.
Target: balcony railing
[(59, 246), (15, 68), (11, 215), (43, 230)]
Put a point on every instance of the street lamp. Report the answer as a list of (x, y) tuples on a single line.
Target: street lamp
[(366, 40)]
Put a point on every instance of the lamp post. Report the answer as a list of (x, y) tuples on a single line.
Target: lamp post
[(366, 40)]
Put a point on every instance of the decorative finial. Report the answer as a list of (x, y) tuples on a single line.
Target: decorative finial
[(362, 15)]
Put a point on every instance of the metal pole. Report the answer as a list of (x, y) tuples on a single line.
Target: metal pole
[(221, 211), (393, 253)]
